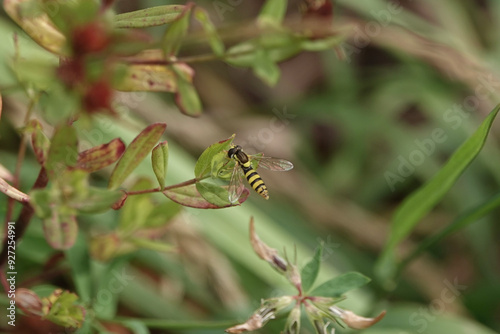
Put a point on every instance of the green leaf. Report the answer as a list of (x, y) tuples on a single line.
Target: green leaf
[(63, 152), (214, 194), (310, 271), (187, 98), (161, 214), (136, 326), (100, 156), (149, 17), (136, 209), (175, 33), (421, 202), (341, 284), (213, 37), (266, 69), (135, 153), (157, 246), (79, 261), (96, 200), (147, 78), (62, 310), (203, 167), (272, 12), (61, 229), (189, 196), (159, 161), (42, 202), (39, 141), (460, 222)]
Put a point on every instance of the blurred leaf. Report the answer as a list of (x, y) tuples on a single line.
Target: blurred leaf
[(187, 98), (58, 104), (42, 202), (310, 271), (62, 311), (36, 24), (136, 326), (203, 167), (134, 213), (97, 200), (100, 156), (214, 194), (61, 229), (149, 17), (149, 78), (135, 153), (157, 246), (39, 141), (189, 196), (159, 161), (213, 37), (266, 69), (322, 44), (341, 284), (35, 73), (457, 224), (105, 247), (175, 32), (162, 214), (63, 152), (272, 12), (421, 202), (13, 192), (79, 261)]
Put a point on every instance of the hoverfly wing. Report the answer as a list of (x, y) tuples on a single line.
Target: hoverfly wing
[(275, 164), (236, 184)]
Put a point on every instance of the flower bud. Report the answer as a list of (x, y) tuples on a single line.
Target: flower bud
[(265, 252)]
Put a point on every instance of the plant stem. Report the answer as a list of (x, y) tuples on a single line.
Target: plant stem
[(174, 186)]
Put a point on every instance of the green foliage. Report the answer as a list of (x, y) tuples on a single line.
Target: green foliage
[(339, 285), (311, 270), (159, 161), (148, 17)]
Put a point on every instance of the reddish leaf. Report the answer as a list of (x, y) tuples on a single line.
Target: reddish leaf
[(39, 27), (149, 78), (189, 196), (135, 153), (60, 230), (100, 156)]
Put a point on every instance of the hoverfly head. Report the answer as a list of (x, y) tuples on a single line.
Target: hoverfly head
[(235, 149)]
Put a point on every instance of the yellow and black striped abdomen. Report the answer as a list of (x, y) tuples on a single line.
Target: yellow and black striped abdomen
[(255, 180)]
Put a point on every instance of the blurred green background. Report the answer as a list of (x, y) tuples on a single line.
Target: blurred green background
[(361, 132)]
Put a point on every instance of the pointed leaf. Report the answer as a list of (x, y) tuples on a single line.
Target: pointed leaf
[(63, 152), (159, 161), (187, 98), (310, 271), (214, 194), (266, 69), (203, 166), (62, 310), (175, 33), (135, 212), (135, 153), (60, 230), (272, 12), (213, 37), (149, 17), (39, 141), (189, 196), (341, 284), (100, 156), (421, 202)]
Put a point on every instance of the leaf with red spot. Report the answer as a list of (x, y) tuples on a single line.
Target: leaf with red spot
[(190, 196), (187, 98), (100, 156), (135, 153), (149, 78)]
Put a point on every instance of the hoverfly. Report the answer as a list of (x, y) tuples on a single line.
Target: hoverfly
[(245, 162)]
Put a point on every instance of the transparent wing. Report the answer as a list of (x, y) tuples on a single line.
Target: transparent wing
[(236, 184), (275, 164)]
